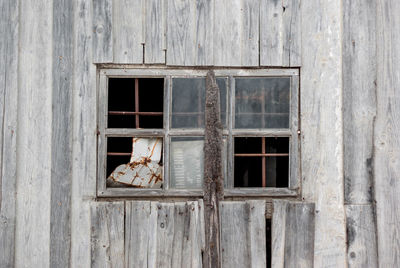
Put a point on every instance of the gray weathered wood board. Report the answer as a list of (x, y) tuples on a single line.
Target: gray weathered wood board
[(361, 236), (292, 234), (155, 31), (236, 33), (127, 31), (386, 133), (9, 25), (84, 135), (32, 238), (280, 33), (189, 32), (61, 158), (107, 234), (359, 98), (243, 239), (299, 235), (161, 234), (102, 31), (322, 127)]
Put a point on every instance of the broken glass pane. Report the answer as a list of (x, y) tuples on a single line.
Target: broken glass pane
[(188, 97), (144, 169), (262, 102), (186, 162)]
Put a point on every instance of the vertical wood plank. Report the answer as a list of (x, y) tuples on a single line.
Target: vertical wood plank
[(204, 32), (271, 29), (278, 234), (61, 154), (361, 236), (137, 233), (127, 31), (322, 127), (34, 134), (291, 33), (102, 31), (234, 240), (107, 234), (257, 233), (165, 234), (181, 212), (154, 31), (152, 237), (299, 235), (84, 135), (359, 98), (386, 133), (8, 127), (236, 33), (181, 32)]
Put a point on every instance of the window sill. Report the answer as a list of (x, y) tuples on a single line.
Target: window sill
[(237, 192)]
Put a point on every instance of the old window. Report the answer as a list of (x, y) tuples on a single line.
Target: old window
[(151, 131)]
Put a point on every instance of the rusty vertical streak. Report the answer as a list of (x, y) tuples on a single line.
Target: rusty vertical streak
[(264, 163), (137, 102)]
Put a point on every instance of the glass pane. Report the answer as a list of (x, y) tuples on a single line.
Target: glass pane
[(188, 97), (186, 162), (262, 102)]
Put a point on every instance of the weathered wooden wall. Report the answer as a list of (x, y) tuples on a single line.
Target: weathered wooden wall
[(347, 52)]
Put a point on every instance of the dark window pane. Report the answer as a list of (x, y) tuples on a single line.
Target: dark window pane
[(261, 162), (188, 100), (122, 103), (262, 102)]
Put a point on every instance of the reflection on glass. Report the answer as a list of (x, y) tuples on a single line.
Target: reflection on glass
[(186, 162), (262, 102), (188, 99)]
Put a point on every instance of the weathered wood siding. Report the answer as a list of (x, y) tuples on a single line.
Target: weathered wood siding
[(322, 127), (198, 33), (359, 110), (347, 52), (9, 32), (386, 133)]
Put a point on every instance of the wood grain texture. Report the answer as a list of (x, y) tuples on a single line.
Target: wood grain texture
[(359, 98), (102, 31), (204, 33), (361, 236), (34, 136), (322, 127), (84, 135), (278, 233), (181, 43), (8, 128), (243, 233), (271, 29), (291, 33), (161, 234), (236, 33), (61, 157), (189, 32), (136, 236), (127, 31), (386, 133), (107, 234), (299, 235), (155, 31)]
